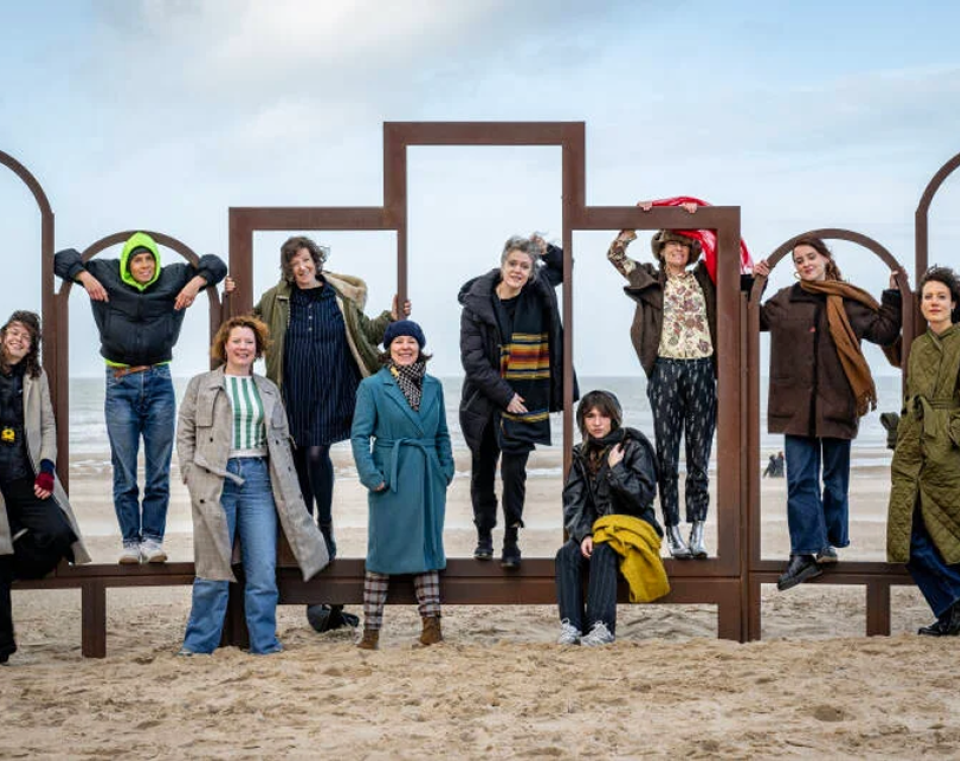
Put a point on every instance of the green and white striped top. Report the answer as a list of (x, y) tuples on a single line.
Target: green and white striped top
[(249, 434)]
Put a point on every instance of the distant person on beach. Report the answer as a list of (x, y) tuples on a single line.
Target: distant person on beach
[(37, 525), (139, 308), (402, 449), (511, 348), (609, 517), (674, 333), (233, 444), (923, 522), (323, 346), (775, 466), (820, 387)]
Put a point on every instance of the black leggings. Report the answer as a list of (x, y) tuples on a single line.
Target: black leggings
[(315, 474), (37, 552)]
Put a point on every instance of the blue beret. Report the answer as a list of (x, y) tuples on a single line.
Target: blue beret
[(403, 328)]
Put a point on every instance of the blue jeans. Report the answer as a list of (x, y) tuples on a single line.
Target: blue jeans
[(251, 511), (817, 519), (939, 582), (141, 404)]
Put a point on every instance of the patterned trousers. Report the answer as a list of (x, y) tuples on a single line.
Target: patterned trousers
[(683, 399), (376, 585)]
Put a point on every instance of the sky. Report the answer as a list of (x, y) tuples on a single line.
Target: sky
[(142, 114)]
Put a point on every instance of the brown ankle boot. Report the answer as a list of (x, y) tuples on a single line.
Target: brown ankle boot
[(431, 633), (370, 639)]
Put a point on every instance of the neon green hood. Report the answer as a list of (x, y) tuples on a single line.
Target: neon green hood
[(135, 241)]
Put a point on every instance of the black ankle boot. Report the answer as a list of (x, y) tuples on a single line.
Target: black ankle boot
[(800, 569), (510, 559), (484, 549)]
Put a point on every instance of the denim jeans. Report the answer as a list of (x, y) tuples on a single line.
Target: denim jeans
[(817, 519), (141, 404), (939, 582), (251, 511)]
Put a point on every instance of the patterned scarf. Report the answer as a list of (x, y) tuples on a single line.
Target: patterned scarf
[(410, 380), (854, 364), (525, 365)]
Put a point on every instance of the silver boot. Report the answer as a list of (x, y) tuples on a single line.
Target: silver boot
[(678, 548), (697, 548)]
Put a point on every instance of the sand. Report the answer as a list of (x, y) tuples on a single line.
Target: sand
[(497, 687)]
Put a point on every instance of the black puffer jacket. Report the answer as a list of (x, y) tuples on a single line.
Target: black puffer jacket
[(484, 391), (626, 489), (138, 325)]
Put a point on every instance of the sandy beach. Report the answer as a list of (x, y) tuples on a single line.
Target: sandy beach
[(498, 687)]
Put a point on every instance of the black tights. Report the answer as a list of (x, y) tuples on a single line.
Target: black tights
[(315, 474)]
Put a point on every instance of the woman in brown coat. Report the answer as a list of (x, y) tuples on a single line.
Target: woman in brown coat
[(820, 386)]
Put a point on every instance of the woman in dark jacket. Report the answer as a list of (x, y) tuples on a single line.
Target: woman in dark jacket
[(511, 345), (675, 335), (923, 524), (613, 472), (820, 387)]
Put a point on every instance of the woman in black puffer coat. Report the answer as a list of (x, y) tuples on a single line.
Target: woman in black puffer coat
[(511, 345)]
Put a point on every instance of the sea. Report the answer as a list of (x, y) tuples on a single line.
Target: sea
[(89, 446)]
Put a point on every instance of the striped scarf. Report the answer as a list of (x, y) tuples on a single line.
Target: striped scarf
[(525, 365)]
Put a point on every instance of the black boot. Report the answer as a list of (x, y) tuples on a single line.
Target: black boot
[(326, 618), (801, 569), (484, 549), (510, 559), (936, 629)]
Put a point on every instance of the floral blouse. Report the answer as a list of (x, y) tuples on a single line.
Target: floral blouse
[(686, 332)]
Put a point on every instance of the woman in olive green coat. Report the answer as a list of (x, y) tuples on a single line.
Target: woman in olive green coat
[(923, 525)]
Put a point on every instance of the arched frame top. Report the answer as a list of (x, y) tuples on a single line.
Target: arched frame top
[(29, 180), (922, 215)]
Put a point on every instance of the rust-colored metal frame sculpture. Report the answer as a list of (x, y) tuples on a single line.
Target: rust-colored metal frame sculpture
[(876, 577), (716, 581)]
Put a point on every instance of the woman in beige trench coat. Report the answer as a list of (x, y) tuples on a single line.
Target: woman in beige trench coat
[(37, 526), (234, 450)]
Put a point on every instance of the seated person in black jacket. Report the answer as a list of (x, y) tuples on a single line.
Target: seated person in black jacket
[(613, 472), (139, 308)]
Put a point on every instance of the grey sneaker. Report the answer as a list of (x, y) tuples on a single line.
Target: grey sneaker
[(152, 551), (130, 554), (599, 635), (569, 634)]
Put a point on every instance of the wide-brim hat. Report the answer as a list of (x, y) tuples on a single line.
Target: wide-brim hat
[(662, 237)]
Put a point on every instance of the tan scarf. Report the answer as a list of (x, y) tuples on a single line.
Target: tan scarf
[(854, 364)]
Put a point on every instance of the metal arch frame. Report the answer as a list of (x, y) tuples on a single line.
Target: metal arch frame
[(922, 216), (875, 576), (48, 299), (61, 400), (718, 580)]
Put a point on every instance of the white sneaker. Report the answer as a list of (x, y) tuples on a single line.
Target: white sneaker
[(152, 551), (599, 635), (569, 634), (130, 554)]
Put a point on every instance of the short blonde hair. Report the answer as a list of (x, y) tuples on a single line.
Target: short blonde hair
[(260, 331)]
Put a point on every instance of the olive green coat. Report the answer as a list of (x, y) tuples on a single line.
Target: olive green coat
[(926, 463), (362, 333), (204, 436)]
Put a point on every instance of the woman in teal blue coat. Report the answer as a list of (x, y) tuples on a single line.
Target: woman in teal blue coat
[(407, 469)]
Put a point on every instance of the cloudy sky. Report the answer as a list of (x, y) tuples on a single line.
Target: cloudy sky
[(161, 115)]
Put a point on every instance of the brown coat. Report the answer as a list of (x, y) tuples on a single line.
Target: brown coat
[(40, 432), (204, 435), (809, 392), (646, 288)]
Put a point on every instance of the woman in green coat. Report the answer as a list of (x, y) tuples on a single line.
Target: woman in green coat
[(407, 470), (923, 524)]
